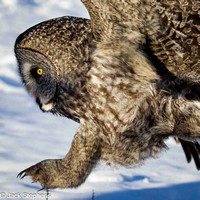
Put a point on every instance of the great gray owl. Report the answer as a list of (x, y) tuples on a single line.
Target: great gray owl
[(129, 77)]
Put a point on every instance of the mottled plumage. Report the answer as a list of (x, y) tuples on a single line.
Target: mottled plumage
[(177, 45), (121, 77)]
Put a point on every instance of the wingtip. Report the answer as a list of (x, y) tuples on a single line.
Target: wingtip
[(191, 150)]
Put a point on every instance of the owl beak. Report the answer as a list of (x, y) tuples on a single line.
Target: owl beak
[(45, 107)]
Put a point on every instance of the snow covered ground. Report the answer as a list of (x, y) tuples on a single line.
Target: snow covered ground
[(28, 136)]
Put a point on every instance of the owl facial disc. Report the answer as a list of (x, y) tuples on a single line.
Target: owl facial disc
[(37, 77)]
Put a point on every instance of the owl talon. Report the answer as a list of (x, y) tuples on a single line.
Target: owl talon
[(22, 174), (29, 172), (41, 189), (39, 173)]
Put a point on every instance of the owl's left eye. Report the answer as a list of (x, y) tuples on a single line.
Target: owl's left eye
[(36, 72)]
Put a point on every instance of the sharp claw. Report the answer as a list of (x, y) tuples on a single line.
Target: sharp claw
[(41, 189), (22, 174), (25, 174)]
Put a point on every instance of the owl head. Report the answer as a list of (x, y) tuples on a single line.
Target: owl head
[(53, 58)]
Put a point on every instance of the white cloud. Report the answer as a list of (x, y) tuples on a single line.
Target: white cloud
[(9, 4)]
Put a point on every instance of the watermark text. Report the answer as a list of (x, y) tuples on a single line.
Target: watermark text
[(23, 195)]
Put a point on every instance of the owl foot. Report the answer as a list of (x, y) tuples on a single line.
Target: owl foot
[(45, 172)]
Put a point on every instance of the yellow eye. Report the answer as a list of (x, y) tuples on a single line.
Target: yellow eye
[(39, 71)]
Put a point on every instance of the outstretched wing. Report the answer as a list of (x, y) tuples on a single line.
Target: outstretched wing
[(172, 26), (191, 150), (177, 44), (97, 11), (114, 18), (119, 28)]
